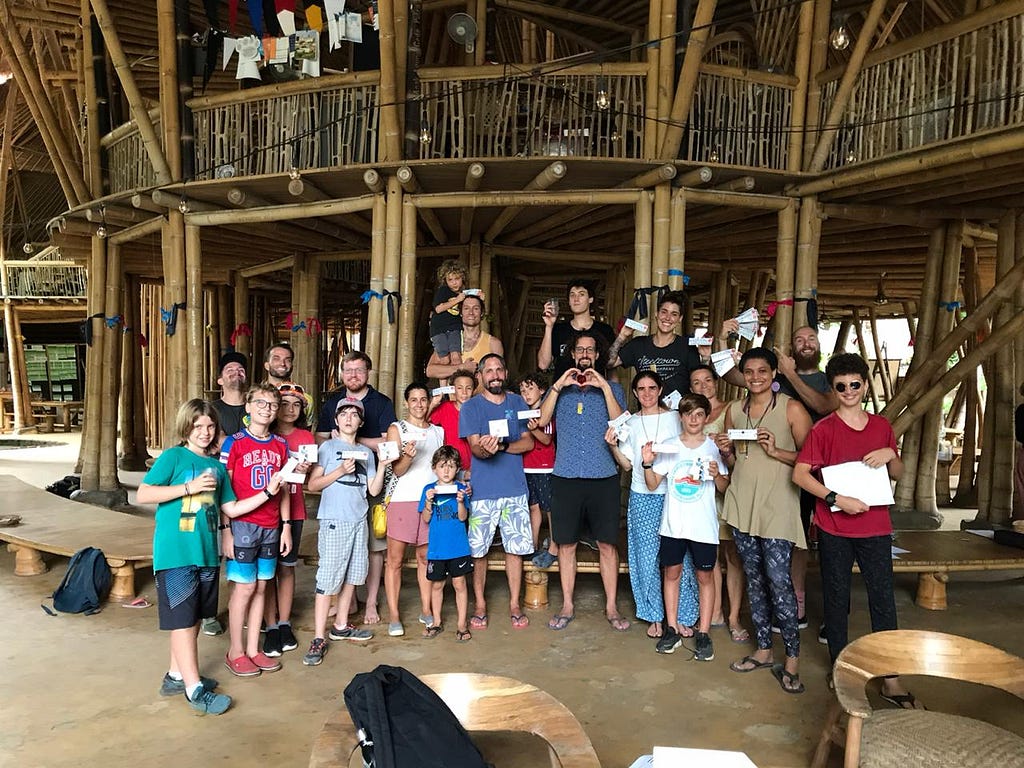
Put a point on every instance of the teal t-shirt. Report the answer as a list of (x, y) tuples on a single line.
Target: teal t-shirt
[(186, 528)]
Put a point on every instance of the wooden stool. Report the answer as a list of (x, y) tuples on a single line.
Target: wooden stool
[(536, 589), (931, 591)]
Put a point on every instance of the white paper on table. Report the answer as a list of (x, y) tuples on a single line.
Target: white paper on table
[(673, 757), (723, 361), (855, 478), (497, 428), (387, 450), (672, 400)]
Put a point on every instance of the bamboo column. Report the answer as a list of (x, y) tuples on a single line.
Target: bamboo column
[(818, 61), (652, 128), (677, 243), (408, 288), (809, 236), (858, 326), (91, 98), (687, 82), (133, 404), (110, 390), (474, 177), (170, 116), (474, 258), (662, 233), (374, 316), (802, 69), (194, 325), (883, 366), (666, 68), (392, 265), (92, 423), (785, 269), (486, 280), (390, 139), (176, 375), (642, 240), (240, 289)]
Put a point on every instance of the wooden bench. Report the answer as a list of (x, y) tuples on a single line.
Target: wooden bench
[(44, 407), (56, 525), (483, 703)]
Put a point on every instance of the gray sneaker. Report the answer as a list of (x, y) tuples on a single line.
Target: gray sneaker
[(350, 632), (705, 650), (669, 641), (315, 654), (210, 703), (171, 687), (212, 627)]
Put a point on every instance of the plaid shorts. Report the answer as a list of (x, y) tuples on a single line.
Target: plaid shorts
[(344, 558)]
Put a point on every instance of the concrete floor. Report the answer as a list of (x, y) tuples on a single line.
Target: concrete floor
[(82, 691)]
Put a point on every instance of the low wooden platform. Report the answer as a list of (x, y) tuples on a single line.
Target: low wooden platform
[(52, 524), (482, 703)]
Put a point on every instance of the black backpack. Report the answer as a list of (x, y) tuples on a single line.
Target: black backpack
[(85, 585), (402, 723)]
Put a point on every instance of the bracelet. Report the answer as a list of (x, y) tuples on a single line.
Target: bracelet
[(557, 389), (223, 526), (187, 491), (269, 494), (647, 466), (287, 522)]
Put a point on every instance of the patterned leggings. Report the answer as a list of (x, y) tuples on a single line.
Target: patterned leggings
[(643, 520), (766, 563)]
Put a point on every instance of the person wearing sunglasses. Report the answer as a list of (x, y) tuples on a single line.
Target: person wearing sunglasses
[(849, 530)]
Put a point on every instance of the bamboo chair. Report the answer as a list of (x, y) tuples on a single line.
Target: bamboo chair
[(482, 703), (903, 738)]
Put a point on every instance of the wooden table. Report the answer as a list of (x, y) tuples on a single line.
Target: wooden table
[(53, 524), (482, 703), (41, 407)]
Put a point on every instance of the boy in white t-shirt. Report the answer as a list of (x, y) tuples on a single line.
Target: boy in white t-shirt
[(689, 520)]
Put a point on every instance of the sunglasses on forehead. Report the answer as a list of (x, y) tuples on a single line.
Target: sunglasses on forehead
[(840, 387)]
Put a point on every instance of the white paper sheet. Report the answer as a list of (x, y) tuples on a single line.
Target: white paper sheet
[(674, 757), (387, 450), (723, 361), (855, 478), (672, 400), (497, 428)]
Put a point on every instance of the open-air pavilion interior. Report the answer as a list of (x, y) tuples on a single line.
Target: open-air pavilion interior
[(826, 162)]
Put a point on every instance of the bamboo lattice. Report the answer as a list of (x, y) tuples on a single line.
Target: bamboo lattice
[(128, 164), (737, 122), (553, 115), (955, 88), (318, 129), (45, 280)]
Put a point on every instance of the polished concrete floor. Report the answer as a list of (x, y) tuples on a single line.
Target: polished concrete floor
[(82, 691)]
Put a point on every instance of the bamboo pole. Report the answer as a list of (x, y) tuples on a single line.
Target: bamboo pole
[(109, 388), (195, 327), (407, 314), (785, 269), (90, 96), (883, 366), (652, 129), (175, 292), (666, 64), (526, 197), (289, 212), (642, 240), (243, 343), (411, 185), (802, 69), (374, 181), (662, 238), (808, 243), (392, 266), (858, 326), (92, 423), (696, 177), (480, 14), (390, 134), (375, 316), (739, 184), (488, 279), (677, 243), (687, 83), (133, 405), (543, 180), (170, 116), (845, 90), (474, 177)]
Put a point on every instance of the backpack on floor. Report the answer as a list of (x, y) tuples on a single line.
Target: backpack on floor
[(85, 585), (402, 723)]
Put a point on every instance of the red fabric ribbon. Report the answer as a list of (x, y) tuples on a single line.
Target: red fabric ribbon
[(313, 326), (774, 305), (242, 329)]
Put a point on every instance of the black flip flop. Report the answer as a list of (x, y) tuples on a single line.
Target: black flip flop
[(787, 679), (736, 666)]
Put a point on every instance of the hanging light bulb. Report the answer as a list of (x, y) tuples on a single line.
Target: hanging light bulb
[(425, 137), (183, 205), (293, 173), (880, 298), (616, 137), (602, 101), (840, 38), (713, 157), (101, 231), (28, 248), (851, 157)]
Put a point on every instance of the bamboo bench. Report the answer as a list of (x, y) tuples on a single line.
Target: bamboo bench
[(58, 526)]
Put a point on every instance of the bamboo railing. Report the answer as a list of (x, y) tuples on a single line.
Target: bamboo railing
[(45, 280), (949, 83), (128, 164), (468, 112)]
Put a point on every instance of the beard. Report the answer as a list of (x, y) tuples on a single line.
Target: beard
[(495, 386), (584, 363), (807, 358)]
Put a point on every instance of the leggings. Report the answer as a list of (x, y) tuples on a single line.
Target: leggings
[(766, 562), (643, 520), (874, 557)]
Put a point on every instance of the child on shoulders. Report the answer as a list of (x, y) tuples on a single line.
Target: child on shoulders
[(446, 320)]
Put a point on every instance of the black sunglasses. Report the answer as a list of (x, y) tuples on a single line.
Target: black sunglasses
[(853, 385)]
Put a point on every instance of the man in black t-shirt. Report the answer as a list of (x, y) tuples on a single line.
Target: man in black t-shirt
[(580, 295), (665, 352), (230, 406)]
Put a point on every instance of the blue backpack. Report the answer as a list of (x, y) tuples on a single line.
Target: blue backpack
[(85, 585)]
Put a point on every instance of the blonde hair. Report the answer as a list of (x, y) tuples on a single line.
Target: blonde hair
[(451, 267), (188, 414)]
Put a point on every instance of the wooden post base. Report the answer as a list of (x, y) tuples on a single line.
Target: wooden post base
[(27, 561), (931, 591), (536, 589), (122, 588)]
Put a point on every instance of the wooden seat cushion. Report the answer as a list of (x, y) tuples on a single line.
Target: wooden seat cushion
[(903, 738)]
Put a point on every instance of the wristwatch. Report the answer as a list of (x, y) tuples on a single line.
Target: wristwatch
[(830, 498), (269, 494), (502, 445)]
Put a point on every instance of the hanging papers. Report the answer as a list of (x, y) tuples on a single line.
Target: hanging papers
[(723, 362), (748, 324), (248, 58)]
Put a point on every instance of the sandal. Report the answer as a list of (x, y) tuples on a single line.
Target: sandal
[(519, 621), (560, 621), (788, 681), (433, 631), (478, 621), (654, 630), (739, 635), (463, 636), (739, 666), (618, 623)]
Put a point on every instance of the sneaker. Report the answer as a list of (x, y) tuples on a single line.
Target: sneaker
[(822, 638), (350, 632), (172, 687), (265, 663), (242, 666), (315, 654), (207, 702), (544, 559), (212, 627), (272, 643), (705, 649), (669, 641), (801, 622), (395, 629), (288, 641)]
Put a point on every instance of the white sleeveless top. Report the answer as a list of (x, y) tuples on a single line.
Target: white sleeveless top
[(419, 474)]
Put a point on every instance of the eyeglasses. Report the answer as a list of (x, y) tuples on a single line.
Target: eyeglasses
[(353, 370), (585, 350), (266, 405), (853, 385)]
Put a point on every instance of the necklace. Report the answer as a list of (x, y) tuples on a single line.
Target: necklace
[(657, 427), (746, 411)]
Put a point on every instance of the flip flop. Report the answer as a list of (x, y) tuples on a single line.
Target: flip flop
[(618, 623), (788, 681), (463, 636), (478, 621), (653, 633), (902, 700), (738, 666), (560, 621), (432, 631), (739, 635), (519, 621)]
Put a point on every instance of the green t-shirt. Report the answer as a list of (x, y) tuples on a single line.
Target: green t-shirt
[(186, 528)]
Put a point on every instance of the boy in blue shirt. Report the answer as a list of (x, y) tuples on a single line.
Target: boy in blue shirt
[(446, 512)]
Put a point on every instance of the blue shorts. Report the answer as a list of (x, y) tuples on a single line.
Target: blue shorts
[(255, 553), (538, 485), (447, 342)]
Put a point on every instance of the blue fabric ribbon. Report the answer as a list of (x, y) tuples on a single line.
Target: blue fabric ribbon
[(113, 322), (391, 296), (369, 296), (679, 273), (949, 306)]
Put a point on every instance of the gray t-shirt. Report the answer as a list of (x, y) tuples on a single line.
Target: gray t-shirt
[(816, 381), (345, 498)]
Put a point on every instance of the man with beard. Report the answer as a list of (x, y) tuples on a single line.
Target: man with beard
[(585, 481), (476, 344), (230, 406), (278, 364), (554, 346), (498, 439)]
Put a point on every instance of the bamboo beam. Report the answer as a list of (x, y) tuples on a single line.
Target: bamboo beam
[(653, 130), (565, 14), (242, 199), (474, 177), (687, 83), (373, 180), (281, 212), (92, 423), (802, 69), (194, 322), (377, 255), (549, 255), (739, 199), (411, 185), (662, 237), (525, 197), (807, 254), (146, 228), (739, 184), (175, 292), (170, 116), (642, 240), (667, 64), (785, 268), (883, 367), (90, 97), (542, 181), (858, 326), (480, 14)]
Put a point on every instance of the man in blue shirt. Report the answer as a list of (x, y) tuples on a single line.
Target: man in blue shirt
[(585, 481), (498, 438)]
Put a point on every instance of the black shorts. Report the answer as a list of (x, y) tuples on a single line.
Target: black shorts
[(292, 558), (807, 503), (581, 503), (439, 570), (673, 551), (539, 487), (186, 595)]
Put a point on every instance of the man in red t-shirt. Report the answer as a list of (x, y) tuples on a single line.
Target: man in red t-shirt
[(848, 529)]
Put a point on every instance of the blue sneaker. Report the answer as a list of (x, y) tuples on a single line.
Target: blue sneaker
[(544, 559), (210, 703), (171, 687)]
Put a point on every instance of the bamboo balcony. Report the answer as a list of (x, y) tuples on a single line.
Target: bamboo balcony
[(45, 280)]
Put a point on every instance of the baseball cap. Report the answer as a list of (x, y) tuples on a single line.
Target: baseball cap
[(231, 357), (350, 402)]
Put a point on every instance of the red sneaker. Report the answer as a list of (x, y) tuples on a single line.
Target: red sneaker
[(264, 663), (242, 666)]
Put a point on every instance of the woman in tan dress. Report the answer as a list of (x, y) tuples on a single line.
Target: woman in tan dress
[(762, 506)]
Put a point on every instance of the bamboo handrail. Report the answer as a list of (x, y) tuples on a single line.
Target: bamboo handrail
[(520, 198), (506, 71), (777, 79), (738, 199), (310, 85), (127, 129)]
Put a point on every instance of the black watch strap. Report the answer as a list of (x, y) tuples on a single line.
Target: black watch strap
[(830, 498)]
